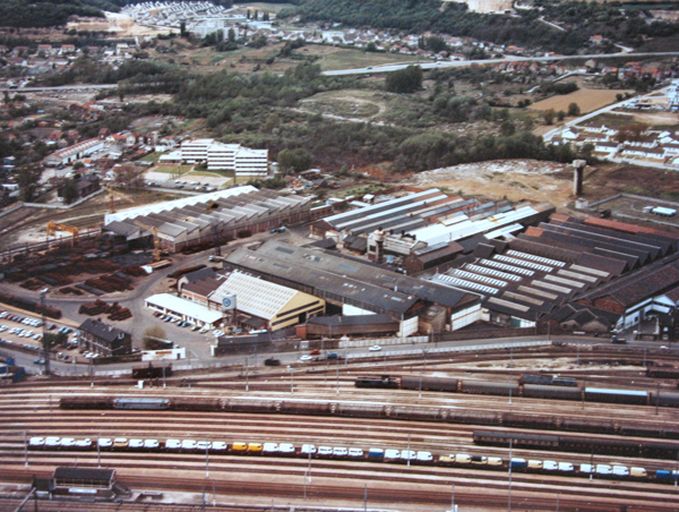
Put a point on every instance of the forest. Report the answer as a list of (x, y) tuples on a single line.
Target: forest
[(581, 20)]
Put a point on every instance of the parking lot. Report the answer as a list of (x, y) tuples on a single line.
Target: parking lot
[(23, 331)]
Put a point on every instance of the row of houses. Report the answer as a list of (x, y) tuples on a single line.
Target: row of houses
[(656, 146)]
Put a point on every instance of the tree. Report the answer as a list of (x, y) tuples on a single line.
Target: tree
[(371, 47), (54, 339), (231, 35), (153, 338), (406, 80), (69, 190), (507, 128), (435, 44), (182, 29), (296, 160), (560, 115), (573, 109), (548, 116), (266, 16)]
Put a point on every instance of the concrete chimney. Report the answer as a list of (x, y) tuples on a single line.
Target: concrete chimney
[(578, 176)]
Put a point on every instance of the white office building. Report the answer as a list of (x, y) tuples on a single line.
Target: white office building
[(223, 157)]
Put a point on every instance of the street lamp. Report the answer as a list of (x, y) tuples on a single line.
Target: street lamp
[(45, 343)]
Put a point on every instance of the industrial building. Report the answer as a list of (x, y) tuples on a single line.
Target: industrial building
[(358, 287), (424, 228), (211, 218), (533, 275), (276, 306), (253, 302), (221, 157), (74, 153), (184, 310)]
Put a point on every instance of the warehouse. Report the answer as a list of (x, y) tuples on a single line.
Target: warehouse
[(530, 276), (417, 223), (184, 310), (216, 217), (278, 306), (358, 287)]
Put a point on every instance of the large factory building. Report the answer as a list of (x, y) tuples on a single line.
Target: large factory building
[(207, 218), (361, 288)]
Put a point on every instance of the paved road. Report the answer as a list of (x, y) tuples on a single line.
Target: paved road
[(292, 359), (63, 88), (390, 68)]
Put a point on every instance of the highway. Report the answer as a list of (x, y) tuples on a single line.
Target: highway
[(390, 68)]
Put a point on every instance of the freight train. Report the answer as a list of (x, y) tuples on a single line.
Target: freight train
[(352, 408), (560, 388), (356, 454), (580, 444)]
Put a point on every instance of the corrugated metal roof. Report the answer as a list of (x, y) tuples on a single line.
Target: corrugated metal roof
[(177, 203), (254, 296)]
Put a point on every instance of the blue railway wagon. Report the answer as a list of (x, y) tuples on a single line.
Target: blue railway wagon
[(623, 396), (143, 403)]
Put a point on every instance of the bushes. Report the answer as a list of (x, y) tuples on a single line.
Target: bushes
[(405, 80)]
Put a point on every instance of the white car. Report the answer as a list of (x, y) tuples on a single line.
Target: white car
[(173, 444), (392, 454), (286, 448), (603, 469), (340, 451), (52, 441), (375, 348), (67, 442), (355, 453), (424, 457), (105, 442), (621, 470), (203, 445), (36, 442), (218, 446), (84, 443), (308, 449), (324, 451), (408, 455), (136, 444), (550, 465), (188, 444), (566, 467), (270, 448), (305, 357)]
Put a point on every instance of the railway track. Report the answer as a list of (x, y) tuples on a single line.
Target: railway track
[(236, 479)]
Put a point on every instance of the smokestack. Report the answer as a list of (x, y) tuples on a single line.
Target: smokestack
[(578, 176)]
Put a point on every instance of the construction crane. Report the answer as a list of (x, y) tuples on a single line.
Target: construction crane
[(53, 227), (156, 244)]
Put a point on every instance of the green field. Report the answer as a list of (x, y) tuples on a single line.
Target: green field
[(331, 57)]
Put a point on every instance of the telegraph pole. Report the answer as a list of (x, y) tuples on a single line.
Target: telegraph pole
[(45, 343)]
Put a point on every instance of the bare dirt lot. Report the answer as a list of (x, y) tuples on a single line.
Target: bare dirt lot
[(587, 99), (512, 179), (119, 24), (550, 182)]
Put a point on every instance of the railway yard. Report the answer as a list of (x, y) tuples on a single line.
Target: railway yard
[(377, 435)]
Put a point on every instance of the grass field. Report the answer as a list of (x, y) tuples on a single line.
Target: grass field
[(332, 57), (587, 99)]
